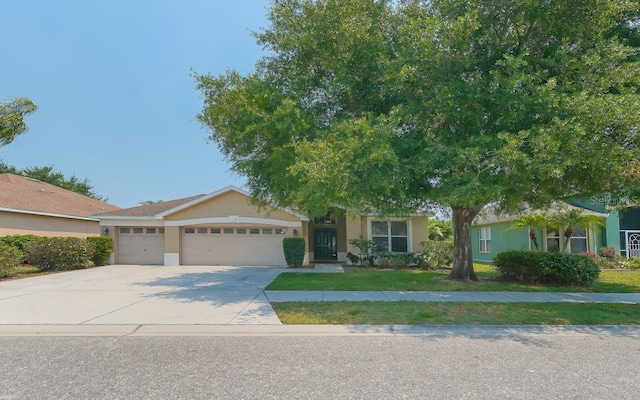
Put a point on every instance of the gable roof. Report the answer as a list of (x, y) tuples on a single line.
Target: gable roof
[(165, 208), (28, 195), (150, 210)]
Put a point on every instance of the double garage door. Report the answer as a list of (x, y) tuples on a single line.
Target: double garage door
[(205, 246), (232, 246)]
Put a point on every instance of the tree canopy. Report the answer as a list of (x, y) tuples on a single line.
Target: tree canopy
[(49, 175), (399, 104), (12, 113)]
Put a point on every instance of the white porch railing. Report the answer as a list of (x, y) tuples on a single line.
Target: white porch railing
[(632, 241)]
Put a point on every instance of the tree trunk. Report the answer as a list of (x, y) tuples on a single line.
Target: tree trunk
[(462, 253)]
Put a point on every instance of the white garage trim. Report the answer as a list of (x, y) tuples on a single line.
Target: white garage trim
[(234, 219)]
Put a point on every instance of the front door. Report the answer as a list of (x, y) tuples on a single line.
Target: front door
[(325, 245)]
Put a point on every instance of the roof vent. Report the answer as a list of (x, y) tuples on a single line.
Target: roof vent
[(41, 190)]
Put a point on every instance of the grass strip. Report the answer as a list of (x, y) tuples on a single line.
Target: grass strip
[(419, 280), (441, 313)]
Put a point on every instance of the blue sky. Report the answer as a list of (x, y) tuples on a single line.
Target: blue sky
[(112, 80)]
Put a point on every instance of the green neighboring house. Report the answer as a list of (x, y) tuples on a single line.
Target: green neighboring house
[(622, 232)]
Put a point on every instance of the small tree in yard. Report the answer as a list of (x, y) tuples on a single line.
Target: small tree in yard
[(366, 248), (576, 218), (397, 105), (530, 222)]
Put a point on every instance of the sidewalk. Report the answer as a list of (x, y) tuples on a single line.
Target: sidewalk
[(280, 296)]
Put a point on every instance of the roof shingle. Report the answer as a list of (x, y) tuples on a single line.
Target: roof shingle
[(149, 210), (28, 194)]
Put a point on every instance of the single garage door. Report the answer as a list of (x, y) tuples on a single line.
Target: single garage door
[(141, 246), (233, 246)]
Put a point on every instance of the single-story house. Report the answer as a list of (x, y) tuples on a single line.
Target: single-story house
[(225, 228), (622, 232), (29, 206)]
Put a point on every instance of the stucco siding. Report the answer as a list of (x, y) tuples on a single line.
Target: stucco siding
[(420, 232), (22, 224), (518, 240), (228, 204)]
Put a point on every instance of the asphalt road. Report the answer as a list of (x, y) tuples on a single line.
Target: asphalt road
[(514, 366)]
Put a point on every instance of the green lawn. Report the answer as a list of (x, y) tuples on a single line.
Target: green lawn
[(418, 313), (418, 280)]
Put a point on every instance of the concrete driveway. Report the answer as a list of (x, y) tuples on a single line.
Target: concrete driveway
[(132, 294)]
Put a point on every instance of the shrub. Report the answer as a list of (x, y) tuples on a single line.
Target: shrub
[(59, 253), (293, 251), (102, 245), (609, 252), (399, 260), (367, 250), (590, 254), (632, 263), (538, 267), (353, 258), (10, 258), (19, 242), (437, 254)]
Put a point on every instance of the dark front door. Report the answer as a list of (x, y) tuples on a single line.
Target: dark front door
[(325, 244)]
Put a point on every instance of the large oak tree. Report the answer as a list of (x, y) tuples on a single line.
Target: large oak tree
[(396, 105)]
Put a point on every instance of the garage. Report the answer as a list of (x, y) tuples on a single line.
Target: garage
[(233, 245), (141, 245)]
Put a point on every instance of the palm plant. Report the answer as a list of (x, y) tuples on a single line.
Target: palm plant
[(576, 218), (530, 222)]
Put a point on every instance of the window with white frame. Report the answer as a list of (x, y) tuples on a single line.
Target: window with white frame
[(485, 240), (390, 236), (579, 241)]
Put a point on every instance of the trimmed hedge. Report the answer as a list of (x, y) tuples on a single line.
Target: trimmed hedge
[(540, 267), (103, 245), (19, 242), (293, 251), (10, 258), (59, 253)]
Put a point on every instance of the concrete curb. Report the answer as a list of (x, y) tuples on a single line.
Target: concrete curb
[(427, 331)]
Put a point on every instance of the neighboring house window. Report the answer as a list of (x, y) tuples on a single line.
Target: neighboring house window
[(485, 240), (203, 230), (215, 230), (189, 230), (151, 231), (267, 231), (242, 231), (254, 231), (553, 240), (390, 236), (228, 231), (137, 230), (125, 230), (280, 231), (578, 241)]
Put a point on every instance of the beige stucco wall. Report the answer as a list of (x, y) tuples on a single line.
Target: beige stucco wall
[(230, 203), (172, 239), (22, 224), (354, 229), (420, 232)]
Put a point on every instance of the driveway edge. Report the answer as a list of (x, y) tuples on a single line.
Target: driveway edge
[(507, 331)]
